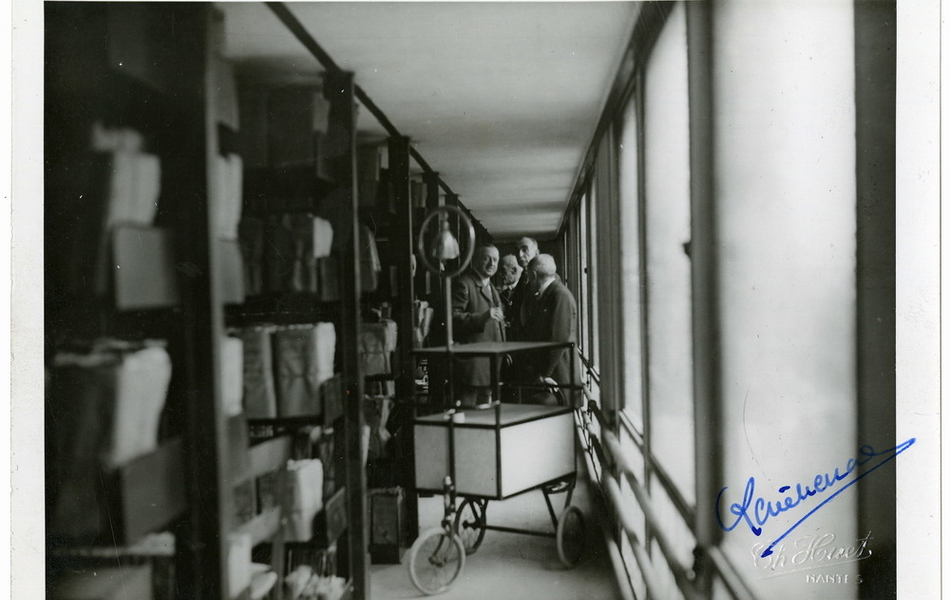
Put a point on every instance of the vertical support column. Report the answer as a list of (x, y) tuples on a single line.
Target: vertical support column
[(707, 379), (203, 545), (339, 91), (437, 335), (437, 368), (875, 36), (403, 245), (431, 181), (644, 297), (405, 379), (453, 200), (590, 275)]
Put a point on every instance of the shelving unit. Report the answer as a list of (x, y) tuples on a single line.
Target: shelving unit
[(273, 192), (140, 76), (154, 68), (281, 309), (117, 66)]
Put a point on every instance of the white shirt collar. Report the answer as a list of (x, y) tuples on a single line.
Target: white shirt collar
[(545, 285)]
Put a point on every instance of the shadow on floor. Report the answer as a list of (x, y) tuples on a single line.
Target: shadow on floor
[(514, 566)]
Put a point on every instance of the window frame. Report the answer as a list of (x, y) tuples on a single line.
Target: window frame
[(628, 87)]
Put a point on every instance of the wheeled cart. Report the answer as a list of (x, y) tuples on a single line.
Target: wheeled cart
[(492, 454)]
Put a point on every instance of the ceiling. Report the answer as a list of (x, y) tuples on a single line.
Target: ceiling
[(501, 98)]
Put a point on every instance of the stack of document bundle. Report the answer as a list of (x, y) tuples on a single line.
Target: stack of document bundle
[(105, 406), (304, 499)]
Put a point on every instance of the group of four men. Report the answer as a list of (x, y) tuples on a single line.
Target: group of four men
[(529, 303)]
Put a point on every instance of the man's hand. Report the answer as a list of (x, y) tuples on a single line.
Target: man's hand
[(495, 313)]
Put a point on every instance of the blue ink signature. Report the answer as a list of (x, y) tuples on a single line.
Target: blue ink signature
[(761, 509)]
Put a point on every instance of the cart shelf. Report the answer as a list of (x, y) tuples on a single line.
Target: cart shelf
[(491, 348), (502, 452)]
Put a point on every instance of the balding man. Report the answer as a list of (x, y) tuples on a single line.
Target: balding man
[(506, 280), (527, 249), (477, 316), (550, 315)]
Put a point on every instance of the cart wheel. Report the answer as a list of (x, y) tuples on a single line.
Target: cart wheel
[(470, 524), (435, 561), (570, 536)]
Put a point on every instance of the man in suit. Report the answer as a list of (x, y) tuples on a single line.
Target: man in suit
[(527, 249), (507, 279), (549, 315), (477, 316)]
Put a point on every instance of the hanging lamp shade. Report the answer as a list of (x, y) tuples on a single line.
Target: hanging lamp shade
[(444, 246)]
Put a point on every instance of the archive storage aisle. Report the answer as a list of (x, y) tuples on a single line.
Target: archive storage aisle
[(239, 341)]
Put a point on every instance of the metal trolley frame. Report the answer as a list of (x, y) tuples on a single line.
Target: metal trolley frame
[(438, 555)]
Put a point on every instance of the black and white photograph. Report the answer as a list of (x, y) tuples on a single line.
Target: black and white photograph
[(580, 300)]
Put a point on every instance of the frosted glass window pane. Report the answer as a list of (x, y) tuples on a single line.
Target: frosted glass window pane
[(664, 576), (584, 280), (786, 214), (578, 272), (630, 269), (594, 284), (720, 591), (666, 160), (633, 568), (681, 538)]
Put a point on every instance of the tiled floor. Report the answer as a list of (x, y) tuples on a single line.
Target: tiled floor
[(513, 566)]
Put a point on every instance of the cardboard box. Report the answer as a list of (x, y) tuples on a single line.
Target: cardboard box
[(290, 129), (367, 174), (331, 521), (389, 516), (152, 490), (268, 491), (230, 272), (244, 502), (331, 393), (252, 108), (328, 273), (238, 444), (123, 505), (136, 45), (115, 583), (143, 268)]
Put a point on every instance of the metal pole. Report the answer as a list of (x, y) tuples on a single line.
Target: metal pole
[(497, 400), (448, 354), (339, 91), (448, 313)]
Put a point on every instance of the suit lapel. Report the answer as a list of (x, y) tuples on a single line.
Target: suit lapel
[(546, 293), (496, 301), (486, 293), (530, 309), (537, 305)]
